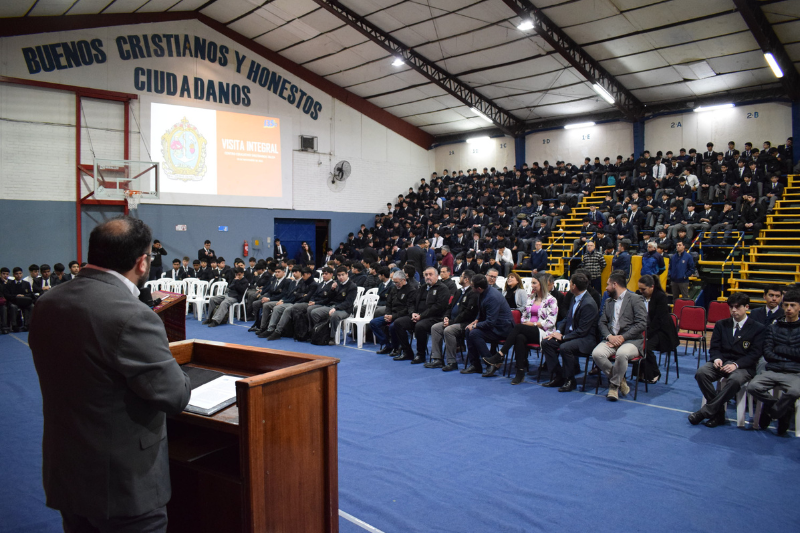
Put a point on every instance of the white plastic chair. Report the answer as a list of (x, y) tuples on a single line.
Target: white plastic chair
[(196, 296), (361, 317), (356, 308), (154, 285), (176, 286), (562, 285), (217, 289), (526, 284), (239, 308)]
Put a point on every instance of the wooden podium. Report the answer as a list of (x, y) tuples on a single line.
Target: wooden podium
[(267, 463)]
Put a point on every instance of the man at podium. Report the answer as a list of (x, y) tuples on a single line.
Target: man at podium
[(108, 380)]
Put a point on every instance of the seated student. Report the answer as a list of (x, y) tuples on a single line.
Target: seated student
[(277, 290), (384, 286), (782, 354), (622, 260), (576, 336), (186, 267), (621, 327), (427, 308), (225, 272), (282, 315), (58, 276), (772, 311), (357, 275), (736, 345), (661, 333), (176, 272), (218, 305), (772, 193), (727, 222), (252, 268), (33, 273), (460, 265), (752, 216), (20, 294), (462, 310), (647, 237), (74, 268), (341, 304), (321, 296), (540, 312), (43, 283)]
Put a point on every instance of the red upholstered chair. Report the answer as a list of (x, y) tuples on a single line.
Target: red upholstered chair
[(693, 321), (679, 304), (717, 311)]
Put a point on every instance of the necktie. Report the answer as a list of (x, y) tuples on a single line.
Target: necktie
[(769, 315), (736, 330)]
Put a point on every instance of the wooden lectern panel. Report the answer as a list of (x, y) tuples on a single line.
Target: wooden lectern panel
[(267, 463)]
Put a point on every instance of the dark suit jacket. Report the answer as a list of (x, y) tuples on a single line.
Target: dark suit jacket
[(201, 255), (760, 315), (744, 350), (584, 323), (108, 380), (495, 314)]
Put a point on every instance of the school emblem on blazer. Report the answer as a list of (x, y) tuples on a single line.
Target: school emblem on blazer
[(746, 344), (184, 150), (344, 293)]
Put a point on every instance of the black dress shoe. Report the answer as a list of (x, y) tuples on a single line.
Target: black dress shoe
[(275, 335), (331, 342), (490, 370), (264, 334), (450, 367), (716, 420), (519, 377), (595, 371), (213, 324), (434, 363), (395, 353), (696, 417), (494, 359), (555, 382), (385, 350), (568, 386), (207, 321), (471, 370), (784, 421), (765, 419), (403, 357), (252, 328), (418, 360)]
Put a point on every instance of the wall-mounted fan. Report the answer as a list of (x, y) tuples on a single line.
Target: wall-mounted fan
[(338, 177)]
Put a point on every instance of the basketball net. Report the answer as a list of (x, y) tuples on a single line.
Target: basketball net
[(133, 198)]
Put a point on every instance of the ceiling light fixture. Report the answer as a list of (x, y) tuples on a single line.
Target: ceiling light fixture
[(525, 25), (599, 89), (579, 125), (776, 69), (703, 109), (477, 140), (484, 117), (398, 62)]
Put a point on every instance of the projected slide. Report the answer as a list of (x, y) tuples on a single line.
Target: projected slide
[(203, 151)]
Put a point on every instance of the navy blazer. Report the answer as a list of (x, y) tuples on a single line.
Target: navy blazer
[(495, 314), (584, 323), (744, 350)]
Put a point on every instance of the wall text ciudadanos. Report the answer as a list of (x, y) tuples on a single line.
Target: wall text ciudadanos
[(131, 48)]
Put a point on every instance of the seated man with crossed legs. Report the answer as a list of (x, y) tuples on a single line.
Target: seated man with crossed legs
[(736, 345), (621, 326), (576, 335)]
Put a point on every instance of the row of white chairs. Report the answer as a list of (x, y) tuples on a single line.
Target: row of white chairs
[(198, 294)]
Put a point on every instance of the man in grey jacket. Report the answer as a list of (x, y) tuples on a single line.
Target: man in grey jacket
[(621, 326), (108, 380)]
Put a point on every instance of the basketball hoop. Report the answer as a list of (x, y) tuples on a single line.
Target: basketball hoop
[(133, 198)]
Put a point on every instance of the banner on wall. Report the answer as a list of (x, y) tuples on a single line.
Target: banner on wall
[(216, 116)]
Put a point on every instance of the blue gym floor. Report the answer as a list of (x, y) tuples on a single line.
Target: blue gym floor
[(428, 451)]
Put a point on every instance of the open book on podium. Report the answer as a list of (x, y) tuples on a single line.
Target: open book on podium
[(264, 459)]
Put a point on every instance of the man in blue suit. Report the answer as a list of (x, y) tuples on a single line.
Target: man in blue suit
[(493, 324), (576, 336)]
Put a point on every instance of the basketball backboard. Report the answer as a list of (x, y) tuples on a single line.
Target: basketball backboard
[(112, 177)]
